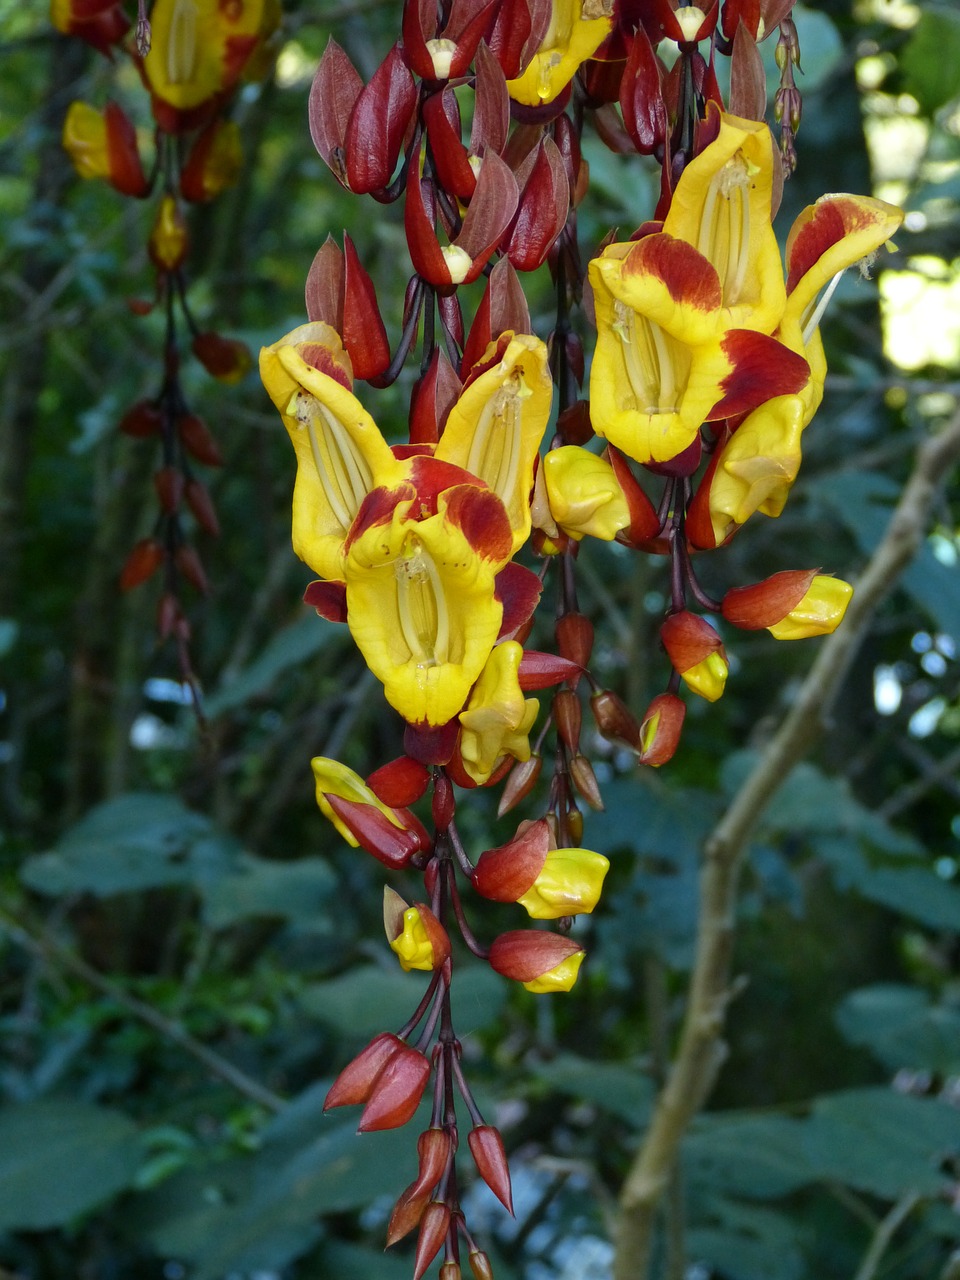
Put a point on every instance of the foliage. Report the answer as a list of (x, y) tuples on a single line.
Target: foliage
[(185, 944)]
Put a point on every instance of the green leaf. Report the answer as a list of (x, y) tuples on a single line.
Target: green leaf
[(60, 1159), (298, 891), (371, 999), (901, 1026), (612, 1086), (881, 1142), (749, 1155), (295, 644), (916, 892), (354, 1262), (931, 59)]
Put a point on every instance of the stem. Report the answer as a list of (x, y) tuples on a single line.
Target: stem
[(886, 1229), (701, 1050)]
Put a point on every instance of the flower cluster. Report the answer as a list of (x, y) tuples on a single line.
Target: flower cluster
[(707, 366), (191, 56)]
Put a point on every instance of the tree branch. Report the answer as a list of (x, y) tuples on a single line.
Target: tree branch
[(701, 1050)]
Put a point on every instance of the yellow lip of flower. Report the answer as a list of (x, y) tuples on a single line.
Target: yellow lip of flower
[(341, 455), (334, 778), (560, 978), (420, 596), (577, 29), (569, 884), (722, 206), (412, 946), (498, 718), (168, 237), (708, 677), (583, 494), (495, 427), (759, 463), (819, 612), (659, 364), (199, 47)]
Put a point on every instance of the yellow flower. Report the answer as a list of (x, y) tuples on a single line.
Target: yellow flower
[(577, 29), (414, 933), (667, 359), (168, 239), (560, 978), (85, 140), (341, 455), (569, 884), (584, 495), (200, 47), (421, 601), (497, 718), (335, 779), (495, 427)]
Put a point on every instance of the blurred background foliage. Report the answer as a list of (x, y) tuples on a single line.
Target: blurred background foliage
[(187, 952)]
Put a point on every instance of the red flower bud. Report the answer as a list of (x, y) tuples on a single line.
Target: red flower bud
[(486, 1147), (585, 780), (432, 398), (364, 335), (641, 96), (568, 717), (333, 95), (444, 803), (541, 961), (480, 1265), (397, 1090), (433, 1231), (355, 1082), (226, 359), (506, 873), (522, 780), (543, 670), (145, 558), (660, 730), (198, 441), (644, 522), (503, 308), (168, 482), (765, 603), (575, 638), (199, 502), (544, 205), (142, 420), (190, 565), (400, 782), (614, 719)]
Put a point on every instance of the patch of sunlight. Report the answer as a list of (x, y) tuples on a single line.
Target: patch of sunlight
[(895, 13), (294, 65), (896, 141), (921, 314)]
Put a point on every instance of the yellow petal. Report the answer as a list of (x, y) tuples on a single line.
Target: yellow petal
[(85, 140), (497, 718), (568, 885), (819, 612), (333, 778), (585, 498), (560, 978), (577, 29)]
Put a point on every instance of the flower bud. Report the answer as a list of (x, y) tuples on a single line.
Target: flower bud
[(584, 495), (433, 1231), (187, 559), (614, 719), (660, 730), (575, 638), (791, 605), (542, 962), (226, 359), (433, 1150), (414, 933), (696, 652), (450, 1271), (393, 836), (356, 1080), (480, 1265), (200, 503), (399, 783), (142, 562), (197, 440), (397, 1090), (568, 716), (585, 780), (142, 420), (523, 778), (486, 1147), (167, 245)]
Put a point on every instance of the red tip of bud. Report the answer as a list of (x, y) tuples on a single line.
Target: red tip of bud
[(568, 717), (661, 728), (433, 1232), (226, 359), (615, 720), (400, 782)]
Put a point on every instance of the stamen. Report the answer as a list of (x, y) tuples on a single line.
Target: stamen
[(814, 316), (343, 472), (421, 605)]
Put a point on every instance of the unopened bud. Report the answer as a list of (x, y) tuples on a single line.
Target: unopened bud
[(486, 1147), (575, 638), (568, 717), (145, 558), (614, 719), (480, 1265), (522, 780), (585, 780), (433, 1232)]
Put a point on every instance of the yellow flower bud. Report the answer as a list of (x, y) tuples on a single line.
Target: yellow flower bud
[(584, 495), (569, 884), (819, 612)]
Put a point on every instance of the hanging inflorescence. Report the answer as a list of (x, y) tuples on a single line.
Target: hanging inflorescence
[(707, 367), (191, 56)]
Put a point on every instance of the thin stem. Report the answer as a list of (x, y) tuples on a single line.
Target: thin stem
[(886, 1229)]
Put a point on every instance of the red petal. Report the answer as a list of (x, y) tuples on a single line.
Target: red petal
[(762, 369), (397, 1091), (422, 242), (329, 599), (483, 520), (400, 782), (442, 118), (491, 110), (762, 604), (689, 277), (378, 124), (518, 590), (493, 205), (364, 335), (544, 206), (374, 832), (641, 96), (506, 873), (323, 292), (358, 1077), (544, 670)]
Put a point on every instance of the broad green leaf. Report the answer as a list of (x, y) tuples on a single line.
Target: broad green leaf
[(298, 891), (354, 1262), (612, 1086), (917, 892), (60, 1159), (749, 1154), (881, 1142), (902, 1027), (295, 644)]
